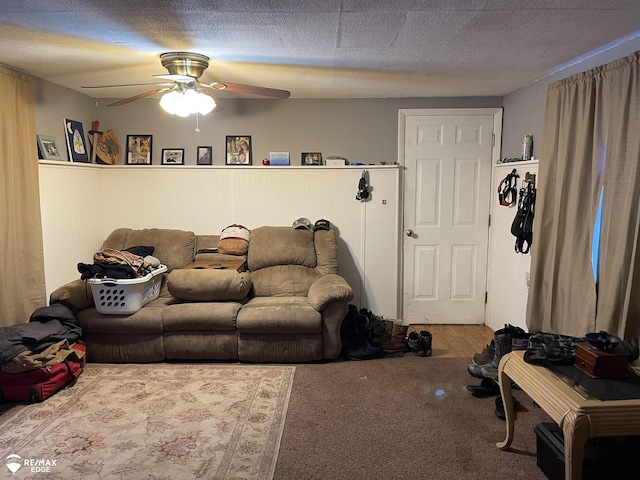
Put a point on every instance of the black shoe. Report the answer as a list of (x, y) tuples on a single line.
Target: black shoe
[(367, 352), (487, 388), (413, 344), (500, 407), (420, 343), (485, 356), (425, 343)]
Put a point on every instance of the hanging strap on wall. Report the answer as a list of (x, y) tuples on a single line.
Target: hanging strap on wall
[(522, 226), (507, 189)]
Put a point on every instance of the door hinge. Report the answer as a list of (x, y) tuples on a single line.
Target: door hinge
[(493, 140), (489, 219), (486, 297)]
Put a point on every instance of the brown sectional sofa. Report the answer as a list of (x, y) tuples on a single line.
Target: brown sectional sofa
[(287, 306)]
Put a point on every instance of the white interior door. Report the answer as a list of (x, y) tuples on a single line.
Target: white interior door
[(447, 158)]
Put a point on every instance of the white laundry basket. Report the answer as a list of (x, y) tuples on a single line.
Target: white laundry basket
[(128, 295)]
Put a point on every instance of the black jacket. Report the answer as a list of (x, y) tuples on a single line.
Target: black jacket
[(47, 325)]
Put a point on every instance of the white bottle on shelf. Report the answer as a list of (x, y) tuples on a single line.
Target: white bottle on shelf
[(527, 147)]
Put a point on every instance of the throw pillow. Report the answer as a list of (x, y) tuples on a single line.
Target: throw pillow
[(234, 240)]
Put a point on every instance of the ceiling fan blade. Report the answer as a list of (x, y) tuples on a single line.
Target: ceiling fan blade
[(176, 77), (127, 85), (137, 97), (238, 87)]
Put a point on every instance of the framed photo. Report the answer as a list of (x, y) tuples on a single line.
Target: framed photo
[(139, 149), (76, 146), (108, 151), (238, 150), (173, 156), (311, 158), (204, 156), (48, 147)]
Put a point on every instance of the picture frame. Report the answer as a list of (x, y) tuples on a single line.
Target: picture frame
[(238, 150), (76, 143), (204, 155), (173, 156), (48, 147), (278, 158), (108, 150), (311, 158), (139, 149)]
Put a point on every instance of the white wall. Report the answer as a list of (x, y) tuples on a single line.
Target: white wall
[(82, 204), (508, 270)]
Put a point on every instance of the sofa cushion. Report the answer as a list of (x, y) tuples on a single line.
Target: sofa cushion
[(326, 251), (283, 281), (206, 241), (174, 248), (208, 285), (76, 295), (270, 246), (147, 320), (219, 316), (279, 315)]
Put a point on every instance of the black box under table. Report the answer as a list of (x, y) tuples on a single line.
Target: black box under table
[(604, 457)]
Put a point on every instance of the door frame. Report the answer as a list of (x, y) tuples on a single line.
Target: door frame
[(403, 113)]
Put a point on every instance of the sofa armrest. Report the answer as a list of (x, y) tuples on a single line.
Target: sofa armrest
[(76, 295), (329, 288)]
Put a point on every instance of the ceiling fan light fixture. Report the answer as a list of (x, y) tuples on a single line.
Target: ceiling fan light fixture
[(206, 103), (184, 103), (185, 68)]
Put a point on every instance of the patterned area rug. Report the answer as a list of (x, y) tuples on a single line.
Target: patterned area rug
[(160, 421)]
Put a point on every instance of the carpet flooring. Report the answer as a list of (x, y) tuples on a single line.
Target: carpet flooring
[(156, 421), (384, 419), (391, 418)]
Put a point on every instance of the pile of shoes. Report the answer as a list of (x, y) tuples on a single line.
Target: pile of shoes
[(419, 343), (366, 336), (485, 364), (393, 341)]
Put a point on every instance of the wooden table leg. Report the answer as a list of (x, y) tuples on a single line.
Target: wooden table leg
[(575, 429), (507, 402)]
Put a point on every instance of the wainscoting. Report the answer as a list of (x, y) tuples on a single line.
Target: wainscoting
[(83, 203)]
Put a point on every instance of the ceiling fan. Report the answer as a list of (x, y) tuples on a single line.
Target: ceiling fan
[(185, 69)]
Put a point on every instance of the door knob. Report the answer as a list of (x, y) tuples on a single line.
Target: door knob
[(409, 232)]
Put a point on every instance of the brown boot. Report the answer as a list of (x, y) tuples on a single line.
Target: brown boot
[(388, 328), (398, 342)]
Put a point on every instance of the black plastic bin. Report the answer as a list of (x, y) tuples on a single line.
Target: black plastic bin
[(604, 457)]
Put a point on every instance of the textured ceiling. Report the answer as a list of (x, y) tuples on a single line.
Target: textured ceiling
[(314, 48)]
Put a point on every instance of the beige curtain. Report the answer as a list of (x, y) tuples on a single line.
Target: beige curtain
[(590, 144), (22, 288), (619, 289)]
